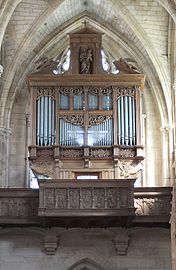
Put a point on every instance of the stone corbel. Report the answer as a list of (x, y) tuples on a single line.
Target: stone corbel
[(121, 243), (50, 243)]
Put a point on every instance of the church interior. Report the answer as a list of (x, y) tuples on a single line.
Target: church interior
[(87, 134)]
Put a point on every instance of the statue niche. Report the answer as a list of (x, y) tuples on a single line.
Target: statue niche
[(85, 61)]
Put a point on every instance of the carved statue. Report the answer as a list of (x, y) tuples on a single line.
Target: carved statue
[(85, 59)]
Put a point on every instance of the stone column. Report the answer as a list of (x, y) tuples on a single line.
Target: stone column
[(167, 154), (1, 70), (4, 155), (173, 228)]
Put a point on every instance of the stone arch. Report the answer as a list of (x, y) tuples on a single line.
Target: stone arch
[(125, 15), (85, 264)]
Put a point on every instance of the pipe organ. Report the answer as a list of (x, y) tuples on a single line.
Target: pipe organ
[(85, 120)]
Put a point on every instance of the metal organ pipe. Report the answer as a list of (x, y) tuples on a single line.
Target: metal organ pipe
[(41, 119), (122, 120), (45, 121), (130, 122), (126, 120), (134, 121)]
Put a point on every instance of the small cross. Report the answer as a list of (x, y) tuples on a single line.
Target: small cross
[(85, 23)]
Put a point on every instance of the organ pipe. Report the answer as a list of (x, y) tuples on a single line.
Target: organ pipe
[(45, 121), (126, 120)]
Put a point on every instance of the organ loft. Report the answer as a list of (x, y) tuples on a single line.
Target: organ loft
[(86, 120)]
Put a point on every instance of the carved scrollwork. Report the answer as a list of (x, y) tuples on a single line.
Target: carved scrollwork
[(75, 119), (98, 119), (100, 90), (71, 153), (100, 153), (126, 91), (45, 91), (129, 169), (45, 152), (71, 90), (126, 153)]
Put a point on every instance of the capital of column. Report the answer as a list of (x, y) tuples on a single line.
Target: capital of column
[(1, 70), (166, 128), (5, 133)]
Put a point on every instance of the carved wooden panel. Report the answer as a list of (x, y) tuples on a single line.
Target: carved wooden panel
[(112, 198), (61, 198), (74, 198), (99, 198), (19, 206), (82, 195), (86, 198), (152, 206), (49, 198)]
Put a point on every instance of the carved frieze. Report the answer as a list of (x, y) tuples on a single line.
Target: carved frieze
[(98, 119), (100, 90), (152, 206), (100, 153), (127, 153), (125, 91), (45, 152), (75, 119), (87, 198), (45, 91), (71, 90), (71, 153), (18, 207)]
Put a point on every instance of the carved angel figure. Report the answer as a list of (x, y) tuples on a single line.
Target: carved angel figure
[(123, 65)]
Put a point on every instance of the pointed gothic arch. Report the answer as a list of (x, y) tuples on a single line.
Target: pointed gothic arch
[(85, 264)]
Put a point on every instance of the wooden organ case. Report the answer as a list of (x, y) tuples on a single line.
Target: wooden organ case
[(85, 122)]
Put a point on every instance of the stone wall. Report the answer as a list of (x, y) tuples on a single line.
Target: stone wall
[(28, 248)]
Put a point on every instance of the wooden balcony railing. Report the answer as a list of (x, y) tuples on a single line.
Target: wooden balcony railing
[(86, 198), (152, 204), (101, 202)]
